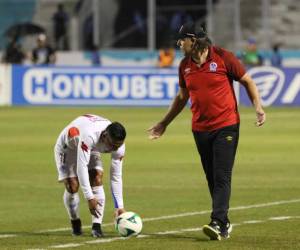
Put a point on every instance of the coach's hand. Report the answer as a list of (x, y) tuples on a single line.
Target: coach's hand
[(156, 131), (94, 207), (260, 117)]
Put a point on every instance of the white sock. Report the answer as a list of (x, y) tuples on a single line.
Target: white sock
[(99, 194), (71, 202)]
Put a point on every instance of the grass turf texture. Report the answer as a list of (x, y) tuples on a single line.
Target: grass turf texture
[(162, 177)]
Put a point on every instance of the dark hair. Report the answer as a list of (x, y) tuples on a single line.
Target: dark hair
[(116, 131), (201, 43)]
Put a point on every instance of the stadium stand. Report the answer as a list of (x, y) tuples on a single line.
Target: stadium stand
[(46, 9), (283, 23), (12, 12)]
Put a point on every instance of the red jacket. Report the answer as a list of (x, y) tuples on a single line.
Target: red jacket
[(213, 102)]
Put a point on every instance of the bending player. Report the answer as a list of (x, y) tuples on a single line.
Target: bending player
[(78, 159)]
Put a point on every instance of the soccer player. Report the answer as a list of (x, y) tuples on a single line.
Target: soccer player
[(206, 75), (77, 154)]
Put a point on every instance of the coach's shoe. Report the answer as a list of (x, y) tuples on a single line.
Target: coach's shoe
[(96, 230), (212, 230), (76, 227), (226, 230)]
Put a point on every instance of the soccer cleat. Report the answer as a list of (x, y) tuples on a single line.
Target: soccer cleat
[(212, 230), (76, 227), (96, 230)]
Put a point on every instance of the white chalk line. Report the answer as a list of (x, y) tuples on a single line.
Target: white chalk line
[(7, 235), (197, 229), (167, 217), (188, 229)]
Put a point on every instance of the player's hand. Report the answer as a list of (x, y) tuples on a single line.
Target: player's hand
[(94, 207), (260, 117), (119, 211), (156, 131)]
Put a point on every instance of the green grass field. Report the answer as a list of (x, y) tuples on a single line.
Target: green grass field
[(161, 178)]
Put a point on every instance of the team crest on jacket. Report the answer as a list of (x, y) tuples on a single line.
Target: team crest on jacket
[(213, 66)]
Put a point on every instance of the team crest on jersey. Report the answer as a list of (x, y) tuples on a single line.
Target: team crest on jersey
[(213, 66)]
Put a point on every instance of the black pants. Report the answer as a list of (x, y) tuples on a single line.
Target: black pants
[(217, 151)]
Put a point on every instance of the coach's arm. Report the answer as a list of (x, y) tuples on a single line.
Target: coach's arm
[(253, 95)]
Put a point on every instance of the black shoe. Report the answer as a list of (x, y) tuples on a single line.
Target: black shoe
[(96, 230), (226, 230), (213, 230), (76, 227)]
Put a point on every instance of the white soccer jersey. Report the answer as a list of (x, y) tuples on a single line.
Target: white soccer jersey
[(81, 137)]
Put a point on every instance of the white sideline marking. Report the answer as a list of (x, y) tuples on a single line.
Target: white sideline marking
[(104, 240), (192, 229), (35, 249), (68, 245), (7, 235), (166, 217), (280, 218), (173, 232), (252, 221), (166, 232), (172, 216)]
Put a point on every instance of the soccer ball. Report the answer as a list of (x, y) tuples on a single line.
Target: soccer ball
[(128, 224)]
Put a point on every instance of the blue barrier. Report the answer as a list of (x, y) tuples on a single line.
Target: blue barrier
[(134, 86)]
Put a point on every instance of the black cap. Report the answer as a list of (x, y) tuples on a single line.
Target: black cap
[(189, 29)]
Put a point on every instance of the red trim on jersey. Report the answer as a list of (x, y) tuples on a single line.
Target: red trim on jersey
[(73, 132), (213, 102), (84, 147)]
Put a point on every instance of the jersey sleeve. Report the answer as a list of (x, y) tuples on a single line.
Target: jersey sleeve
[(234, 67), (83, 158), (116, 181)]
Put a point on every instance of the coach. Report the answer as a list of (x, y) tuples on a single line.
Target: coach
[(206, 75)]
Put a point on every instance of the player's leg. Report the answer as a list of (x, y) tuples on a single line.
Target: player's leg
[(96, 180), (204, 142), (204, 146), (66, 167), (71, 202), (224, 146)]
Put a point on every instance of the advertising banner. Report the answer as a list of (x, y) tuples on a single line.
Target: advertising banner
[(93, 86), (277, 86), (135, 86)]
